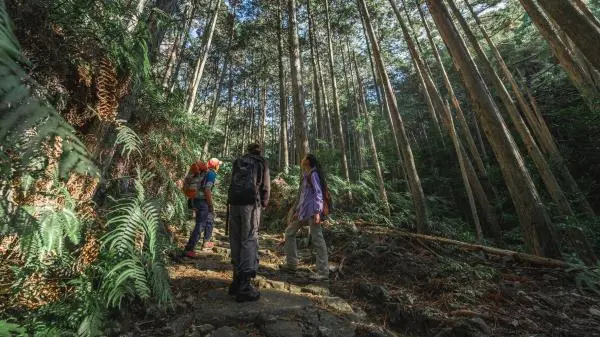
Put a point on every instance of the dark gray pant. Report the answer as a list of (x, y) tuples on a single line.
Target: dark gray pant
[(244, 221)]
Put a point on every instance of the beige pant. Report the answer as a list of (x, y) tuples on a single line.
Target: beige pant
[(317, 239)]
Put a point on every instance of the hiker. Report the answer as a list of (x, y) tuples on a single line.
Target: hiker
[(198, 185), (310, 209), (248, 194)]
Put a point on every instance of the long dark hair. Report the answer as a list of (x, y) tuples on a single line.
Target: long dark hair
[(314, 163)]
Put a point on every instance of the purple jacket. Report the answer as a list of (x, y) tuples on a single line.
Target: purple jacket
[(311, 196)]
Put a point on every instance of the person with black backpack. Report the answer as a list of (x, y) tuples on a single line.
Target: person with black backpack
[(248, 194), (313, 205)]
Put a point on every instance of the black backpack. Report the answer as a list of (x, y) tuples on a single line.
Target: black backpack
[(246, 179)]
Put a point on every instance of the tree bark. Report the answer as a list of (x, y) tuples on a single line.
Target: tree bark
[(582, 80), (578, 27), (336, 104), (534, 151), (206, 43), (538, 232), (462, 121), (284, 163), (297, 89), (316, 82), (538, 125), (414, 182), (436, 99), (377, 167)]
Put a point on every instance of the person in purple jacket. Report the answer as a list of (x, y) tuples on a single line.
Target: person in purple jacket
[(309, 212)]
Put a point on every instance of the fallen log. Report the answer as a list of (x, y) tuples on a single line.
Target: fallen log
[(534, 259)]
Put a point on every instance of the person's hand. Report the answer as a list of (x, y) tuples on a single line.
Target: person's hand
[(318, 218)]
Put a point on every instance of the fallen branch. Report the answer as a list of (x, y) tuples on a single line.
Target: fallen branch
[(542, 261)]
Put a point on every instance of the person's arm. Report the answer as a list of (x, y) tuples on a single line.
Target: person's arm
[(316, 183), (265, 192), (211, 177)]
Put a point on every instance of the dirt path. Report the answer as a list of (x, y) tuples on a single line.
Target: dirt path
[(381, 285)]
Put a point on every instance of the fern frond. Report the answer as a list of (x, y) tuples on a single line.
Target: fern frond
[(129, 140), (25, 123)]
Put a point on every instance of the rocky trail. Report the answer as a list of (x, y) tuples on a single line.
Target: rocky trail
[(381, 285)]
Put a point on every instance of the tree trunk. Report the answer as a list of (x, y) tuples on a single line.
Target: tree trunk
[(284, 163), (225, 151), (139, 9), (534, 151), (436, 99), (385, 106), (207, 40), (263, 115), (537, 228), (377, 167), (336, 104), (578, 27), (582, 80), (414, 182), (538, 125), (177, 46), (462, 121), (297, 89), (316, 84), (326, 114)]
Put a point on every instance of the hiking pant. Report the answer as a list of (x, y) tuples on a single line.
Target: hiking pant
[(204, 225), (317, 239), (244, 221)]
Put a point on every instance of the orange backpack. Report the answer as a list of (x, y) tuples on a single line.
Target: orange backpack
[(194, 180)]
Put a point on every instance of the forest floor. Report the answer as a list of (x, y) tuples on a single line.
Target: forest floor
[(381, 284)]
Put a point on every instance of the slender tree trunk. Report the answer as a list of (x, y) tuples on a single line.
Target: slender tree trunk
[(326, 115), (206, 43), (462, 121), (414, 182), (336, 104), (538, 125), (385, 106), (316, 84), (582, 80), (263, 115), (537, 228), (297, 89), (534, 151), (139, 9), (584, 32), (284, 162), (372, 143), (177, 46), (436, 99), (225, 151)]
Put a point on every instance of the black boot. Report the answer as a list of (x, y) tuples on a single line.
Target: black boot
[(234, 287), (246, 292)]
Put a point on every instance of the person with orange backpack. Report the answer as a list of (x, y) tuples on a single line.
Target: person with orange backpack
[(313, 205), (197, 186)]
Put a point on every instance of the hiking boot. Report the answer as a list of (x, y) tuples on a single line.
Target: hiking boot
[(246, 292), (208, 245), (234, 287), (288, 268)]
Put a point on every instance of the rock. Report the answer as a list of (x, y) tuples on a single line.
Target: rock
[(179, 326), (278, 285), (594, 312), (324, 331), (227, 331), (315, 290), (473, 327), (204, 329), (374, 292), (226, 252), (338, 304), (282, 329)]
